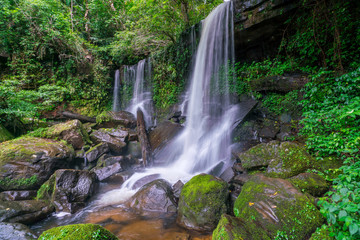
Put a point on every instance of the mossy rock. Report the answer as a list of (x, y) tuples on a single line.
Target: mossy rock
[(202, 202), (73, 132), (311, 183), (329, 166), (26, 163), (276, 205), (5, 135), (108, 119), (232, 228), (322, 233), (78, 231), (291, 159)]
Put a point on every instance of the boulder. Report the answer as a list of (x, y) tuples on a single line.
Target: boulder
[(156, 196), (26, 212), (311, 183), (272, 205), (73, 132), (78, 231), (162, 134), (95, 152), (68, 189), (284, 160), (17, 195), (116, 119), (5, 135), (232, 228), (285, 83), (26, 163), (202, 202), (115, 143), (16, 231), (134, 149)]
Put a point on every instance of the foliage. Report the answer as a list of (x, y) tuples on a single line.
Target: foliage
[(279, 103), (331, 120)]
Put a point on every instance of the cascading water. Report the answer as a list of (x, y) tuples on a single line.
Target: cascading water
[(116, 100), (142, 97), (205, 141)]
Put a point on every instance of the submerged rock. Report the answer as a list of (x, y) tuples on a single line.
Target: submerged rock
[(311, 183), (68, 190), (73, 132), (116, 119), (26, 212), (16, 231), (202, 202), (78, 231), (273, 204), (156, 196), (26, 163)]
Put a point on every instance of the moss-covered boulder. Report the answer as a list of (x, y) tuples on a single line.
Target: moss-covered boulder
[(232, 228), (311, 183), (156, 196), (26, 163), (284, 160), (202, 202), (68, 189), (26, 212), (73, 132), (5, 135), (78, 231), (275, 205), (116, 119)]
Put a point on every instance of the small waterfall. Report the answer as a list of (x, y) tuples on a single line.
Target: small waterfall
[(142, 97), (205, 141), (116, 98)]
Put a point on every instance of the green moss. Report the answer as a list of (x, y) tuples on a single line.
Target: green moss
[(5, 135), (103, 117), (78, 231), (322, 233), (310, 183), (278, 208), (259, 155), (46, 190), (23, 183)]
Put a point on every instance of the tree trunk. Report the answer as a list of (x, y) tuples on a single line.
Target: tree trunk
[(143, 138), (82, 118)]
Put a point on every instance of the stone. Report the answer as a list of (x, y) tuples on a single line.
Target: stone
[(73, 132), (177, 187), (17, 195), (68, 189), (156, 196), (95, 152), (202, 202), (162, 134), (78, 231), (274, 204), (103, 173), (116, 119), (116, 144), (16, 231), (5, 135), (134, 149), (26, 163), (232, 228), (311, 183), (26, 212), (284, 83), (228, 174)]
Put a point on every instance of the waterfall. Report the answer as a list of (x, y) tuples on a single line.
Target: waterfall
[(135, 92), (205, 140), (116, 98)]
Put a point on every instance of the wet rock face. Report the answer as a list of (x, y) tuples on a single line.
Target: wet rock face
[(16, 231), (95, 152), (68, 190), (108, 167), (272, 205), (156, 196), (116, 119), (202, 202), (26, 212), (26, 163), (115, 138), (17, 195), (259, 26)]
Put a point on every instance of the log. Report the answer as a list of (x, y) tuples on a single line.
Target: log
[(143, 138), (82, 118)]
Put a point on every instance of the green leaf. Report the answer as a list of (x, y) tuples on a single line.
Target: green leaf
[(342, 215), (354, 228)]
